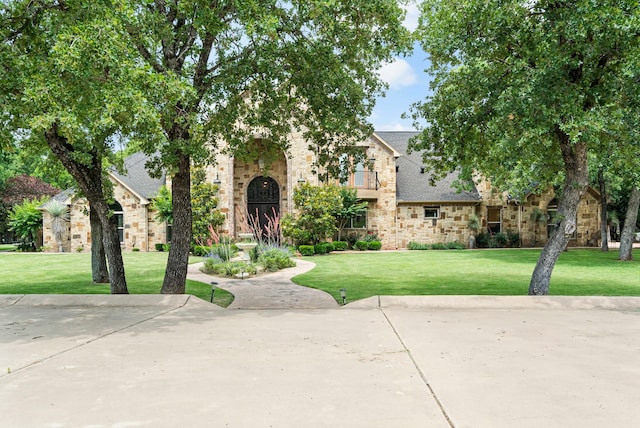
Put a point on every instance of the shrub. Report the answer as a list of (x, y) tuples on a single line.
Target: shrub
[(224, 250), (374, 245), (513, 238), (159, 247), (216, 266), (482, 240), (307, 250), (438, 246), (199, 250), (351, 239), (361, 245), (320, 248), (340, 245), (135, 249), (371, 237), (418, 246), (275, 258), (501, 239), (455, 246), (166, 247)]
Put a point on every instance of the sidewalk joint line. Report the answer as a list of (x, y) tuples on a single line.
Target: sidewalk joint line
[(95, 339), (420, 372)]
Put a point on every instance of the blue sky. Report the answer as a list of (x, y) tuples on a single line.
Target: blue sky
[(407, 81)]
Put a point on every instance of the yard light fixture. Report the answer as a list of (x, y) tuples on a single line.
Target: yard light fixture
[(343, 294), (217, 180), (213, 289)]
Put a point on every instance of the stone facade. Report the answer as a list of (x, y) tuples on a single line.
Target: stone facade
[(397, 213), (139, 228)]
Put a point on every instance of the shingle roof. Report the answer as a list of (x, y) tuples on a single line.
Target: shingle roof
[(137, 178), (412, 185)]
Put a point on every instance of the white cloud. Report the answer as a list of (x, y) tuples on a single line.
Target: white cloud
[(394, 127), (398, 74), (411, 19)]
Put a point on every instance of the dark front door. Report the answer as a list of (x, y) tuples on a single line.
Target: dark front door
[(263, 202)]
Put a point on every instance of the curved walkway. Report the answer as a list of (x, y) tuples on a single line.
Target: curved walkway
[(269, 291)]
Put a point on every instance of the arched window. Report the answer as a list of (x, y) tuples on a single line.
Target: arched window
[(118, 219)]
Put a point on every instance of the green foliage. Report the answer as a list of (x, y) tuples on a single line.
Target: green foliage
[(510, 79), (361, 245), (215, 266), (374, 245), (455, 246), (162, 205), (314, 222), (351, 207), (513, 238), (437, 246), (199, 250), (474, 223), (25, 220), (340, 245), (320, 248), (307, 250), (204, 203), (166, 247), (412, 245), (159, 246), (275, 258), (500, 239), (482, 240)]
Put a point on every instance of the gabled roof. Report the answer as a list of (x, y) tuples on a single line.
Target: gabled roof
[(412, 185), (136, 177)]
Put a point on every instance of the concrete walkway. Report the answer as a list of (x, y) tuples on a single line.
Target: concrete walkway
[(269, 291), (442, 362)]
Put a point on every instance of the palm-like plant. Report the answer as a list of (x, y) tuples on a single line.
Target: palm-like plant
[(59, 213)]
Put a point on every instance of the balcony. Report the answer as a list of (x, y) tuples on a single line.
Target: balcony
[(366, 184)]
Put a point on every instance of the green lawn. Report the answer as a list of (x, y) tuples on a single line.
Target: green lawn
[(489, 272), (70, 273)]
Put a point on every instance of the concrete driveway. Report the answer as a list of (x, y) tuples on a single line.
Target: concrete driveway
[(165, 361)]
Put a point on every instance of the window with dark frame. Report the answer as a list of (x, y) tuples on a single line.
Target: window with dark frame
[(431, 213), (118, 219), (494, 220)]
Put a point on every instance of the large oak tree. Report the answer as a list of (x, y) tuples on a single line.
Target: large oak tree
[(259, 68), (523, 90)]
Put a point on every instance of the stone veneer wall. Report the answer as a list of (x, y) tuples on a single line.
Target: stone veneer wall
[(381, 217), (517, 217), (450, 227), (49, 243), (140, 228)]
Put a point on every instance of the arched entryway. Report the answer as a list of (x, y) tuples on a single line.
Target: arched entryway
[(263, 200)]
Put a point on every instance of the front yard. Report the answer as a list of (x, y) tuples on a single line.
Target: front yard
[(70, 273), (489, 272)]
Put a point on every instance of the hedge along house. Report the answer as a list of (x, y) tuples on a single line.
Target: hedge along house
[(133, 192)]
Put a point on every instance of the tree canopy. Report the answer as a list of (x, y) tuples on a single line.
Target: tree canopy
[(523, 90)]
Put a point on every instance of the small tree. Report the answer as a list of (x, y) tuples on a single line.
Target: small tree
[(315, 221), (25, 220), (204, 205), (351, 208), (59, 213)]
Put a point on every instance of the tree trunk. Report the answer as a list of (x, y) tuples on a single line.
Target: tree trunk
[(626, 239), (89, 180), (575, 185), (604, 232), (175, 276), (99, 272)]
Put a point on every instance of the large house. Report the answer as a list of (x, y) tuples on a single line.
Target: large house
[(403, 205)]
